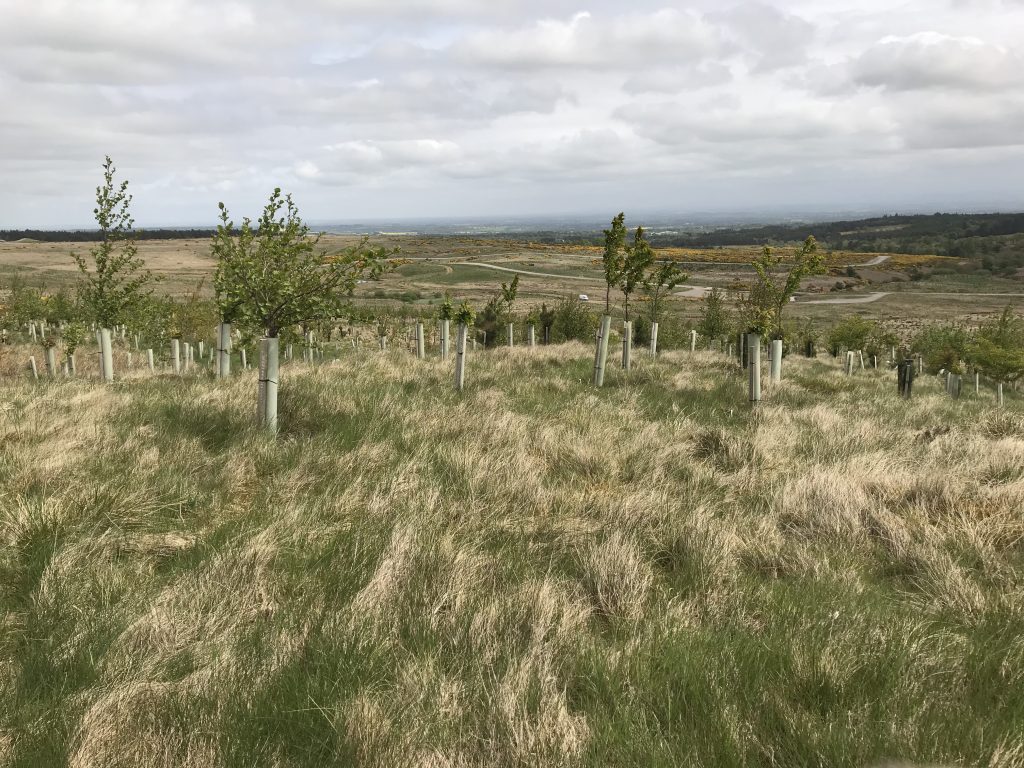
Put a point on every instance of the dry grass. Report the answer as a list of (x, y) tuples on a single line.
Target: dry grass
[(531, 573)]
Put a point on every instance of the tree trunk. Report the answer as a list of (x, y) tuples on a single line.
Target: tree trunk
[(270, 370), (106, 355), (460, 356), (754, 360), (776, 360), (601, 353), (654, 339)]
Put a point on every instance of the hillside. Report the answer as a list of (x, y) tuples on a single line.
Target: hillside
[(530, 573)]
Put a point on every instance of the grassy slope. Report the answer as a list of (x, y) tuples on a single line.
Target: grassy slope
[(533, 573)]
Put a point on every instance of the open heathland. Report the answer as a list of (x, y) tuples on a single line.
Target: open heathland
[(530, 572)]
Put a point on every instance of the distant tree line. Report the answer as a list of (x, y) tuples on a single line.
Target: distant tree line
[(96, 236)]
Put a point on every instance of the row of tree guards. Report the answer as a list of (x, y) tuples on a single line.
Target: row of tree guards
[(747, 348), (272, 275)]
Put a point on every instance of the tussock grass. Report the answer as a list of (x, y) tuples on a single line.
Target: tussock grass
[(530, 573)]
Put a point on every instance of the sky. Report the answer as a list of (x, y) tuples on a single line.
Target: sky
[(370, 109)]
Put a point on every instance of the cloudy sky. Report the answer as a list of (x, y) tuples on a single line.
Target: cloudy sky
[(449, 108)]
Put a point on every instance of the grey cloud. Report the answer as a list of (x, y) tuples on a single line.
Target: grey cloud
[(595, 42), (770, 37), (935, 61), (397, 108)]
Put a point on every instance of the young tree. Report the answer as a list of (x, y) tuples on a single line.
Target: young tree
[(114, 279), (612, 262), (637, 261), (508, 297), (772, 288), (663, 278), (852, 332), (998, 349), (770, 293), (276, 277), (464, 317), (714, 317), (943, 347), (445, 313), (72, 336), (613, 257)]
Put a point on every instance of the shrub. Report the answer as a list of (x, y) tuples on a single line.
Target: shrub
[(573, 320), (943, 347)]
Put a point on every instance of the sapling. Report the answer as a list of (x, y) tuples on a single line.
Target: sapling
[(639, 257), (770, 294), (714, 318), (115, 282), (444, 316), (508, 297), (663, 278), (464, 318), (72, 335), (612, 263), (176, 354), (998, 350), (278, 277)]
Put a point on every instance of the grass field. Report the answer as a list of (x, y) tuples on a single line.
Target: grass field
[(531, 573)]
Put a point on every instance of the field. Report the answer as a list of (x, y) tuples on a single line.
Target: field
[(464, 268), (533, 572)]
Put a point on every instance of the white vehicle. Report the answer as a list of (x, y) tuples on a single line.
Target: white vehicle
[(584, 297)]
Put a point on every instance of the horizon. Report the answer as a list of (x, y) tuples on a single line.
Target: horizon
[(452, 109), (557, 222)]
